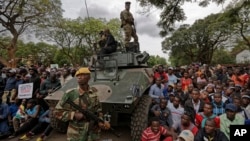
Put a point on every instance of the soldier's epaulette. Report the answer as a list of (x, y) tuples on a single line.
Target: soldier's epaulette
[(70, 90), (93, 89)]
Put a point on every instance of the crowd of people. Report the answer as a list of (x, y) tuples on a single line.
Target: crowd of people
[(28, 116), (200, 100), (192, 103)]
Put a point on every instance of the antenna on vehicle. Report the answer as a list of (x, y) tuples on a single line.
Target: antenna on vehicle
[(85, 1)]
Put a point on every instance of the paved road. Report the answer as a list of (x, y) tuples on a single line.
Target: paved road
[(106, 136)]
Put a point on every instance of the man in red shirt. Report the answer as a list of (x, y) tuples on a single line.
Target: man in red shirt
[(156, 132), (200, 118), (185, 81), (161, 74)]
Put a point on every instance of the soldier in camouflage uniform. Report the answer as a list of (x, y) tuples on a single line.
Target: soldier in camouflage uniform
[(128, 24), (80, 127)]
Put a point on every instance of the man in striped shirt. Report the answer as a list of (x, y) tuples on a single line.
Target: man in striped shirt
[(156, 132)]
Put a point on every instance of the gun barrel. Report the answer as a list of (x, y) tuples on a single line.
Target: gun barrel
[(90, 115), (85, 112)]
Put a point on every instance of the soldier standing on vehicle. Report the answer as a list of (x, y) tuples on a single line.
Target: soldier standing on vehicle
[(81, 128), (128, 24)]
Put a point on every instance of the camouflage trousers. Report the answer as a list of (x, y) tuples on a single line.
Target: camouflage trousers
[(81, 133), (129, 32)]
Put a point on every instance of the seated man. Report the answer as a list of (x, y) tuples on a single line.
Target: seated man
[(44, 123), (209, 132), (176, 109), (200, 118), (230, 118), (110, 45), (185, 124), (246, 107), (31, 118), (49, 86), (156, 91), (155, 132), (161, 110)]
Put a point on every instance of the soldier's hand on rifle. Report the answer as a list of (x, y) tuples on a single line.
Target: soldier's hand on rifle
[(105, 125), (39, 96)]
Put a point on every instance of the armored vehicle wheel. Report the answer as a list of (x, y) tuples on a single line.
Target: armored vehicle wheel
[(139, 119)]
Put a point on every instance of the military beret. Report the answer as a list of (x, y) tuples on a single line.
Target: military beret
[(127, 2), (83, 71)]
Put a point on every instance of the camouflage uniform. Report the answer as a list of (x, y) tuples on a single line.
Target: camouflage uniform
[(127, 25), (85, 130)]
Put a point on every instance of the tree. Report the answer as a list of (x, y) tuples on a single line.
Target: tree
[(39, 52), (239, 15), (156, 60), (222, 56), (76, 38), (172, 11), (60, 58), (179, 59), (199, 41), (240, 46), (16, 16)]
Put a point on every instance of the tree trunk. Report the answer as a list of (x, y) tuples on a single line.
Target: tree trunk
[(11, 61)]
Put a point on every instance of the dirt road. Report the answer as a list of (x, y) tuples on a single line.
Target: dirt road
[(106, 136)]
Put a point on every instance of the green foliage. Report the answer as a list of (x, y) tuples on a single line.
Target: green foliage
[(60, 58), (156, 60), (198, 42), (18, 16), (180, 59), (76, 38), (240, 46), (40, 52), (172, 11), (222, 56)]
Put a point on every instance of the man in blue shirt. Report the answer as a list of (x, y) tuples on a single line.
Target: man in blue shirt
[(156, 91)]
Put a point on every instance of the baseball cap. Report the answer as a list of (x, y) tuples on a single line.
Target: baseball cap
[(187, 135), (170, 68), (84, 70), (171, 93), (171, 84), (246, 96), (12, 71), (28, 75), (237, 85), (231, 107)]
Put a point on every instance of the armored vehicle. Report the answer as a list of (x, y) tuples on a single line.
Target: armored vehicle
[(122, 80)]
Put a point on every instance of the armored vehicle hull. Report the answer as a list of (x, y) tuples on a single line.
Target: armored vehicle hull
[(122, 81)]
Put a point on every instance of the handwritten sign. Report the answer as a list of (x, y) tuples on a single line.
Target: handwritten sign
[(25, 90), (52, 66)]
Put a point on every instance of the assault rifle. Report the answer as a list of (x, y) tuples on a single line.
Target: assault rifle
[(54, 89), (90, 115)]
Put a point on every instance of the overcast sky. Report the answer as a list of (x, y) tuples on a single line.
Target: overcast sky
[(147, 30)]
